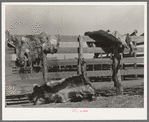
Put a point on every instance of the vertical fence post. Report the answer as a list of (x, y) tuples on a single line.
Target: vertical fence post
[(45, 74), (80, 54), (101, 66), (111, 66), (135, 64), (122, 65), (82, 64), (31, 69), (116, 71)]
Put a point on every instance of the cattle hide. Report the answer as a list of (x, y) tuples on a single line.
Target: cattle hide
[(71, 89), (105, 39)]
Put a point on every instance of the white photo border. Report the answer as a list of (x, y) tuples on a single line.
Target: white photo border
[(66, 113)]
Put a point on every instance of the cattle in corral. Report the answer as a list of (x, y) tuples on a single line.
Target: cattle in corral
[(102, 40), (29, 48), (71, 89)]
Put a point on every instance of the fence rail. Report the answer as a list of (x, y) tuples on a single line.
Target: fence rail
[(87, 39)]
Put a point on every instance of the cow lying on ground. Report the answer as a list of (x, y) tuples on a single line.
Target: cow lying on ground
[(71, 89)]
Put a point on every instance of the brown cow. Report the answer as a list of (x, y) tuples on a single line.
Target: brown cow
[(71, 89)]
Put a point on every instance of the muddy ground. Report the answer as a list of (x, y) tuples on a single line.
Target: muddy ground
[(133, 97)]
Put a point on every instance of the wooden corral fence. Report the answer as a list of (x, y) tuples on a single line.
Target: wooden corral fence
[(18, 84)]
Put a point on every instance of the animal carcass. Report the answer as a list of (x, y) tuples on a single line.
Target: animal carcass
[(71, 89)]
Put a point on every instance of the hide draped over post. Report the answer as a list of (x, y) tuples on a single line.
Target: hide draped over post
[(112, 43), (106, 39)]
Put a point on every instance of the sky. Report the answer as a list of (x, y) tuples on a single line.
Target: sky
[(73, 19)]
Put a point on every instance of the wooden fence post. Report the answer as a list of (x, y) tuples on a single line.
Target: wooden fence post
[(111, 66), (80, 54), (122, 65), (82, 64), (135, 64), (45, 74), (101, 66), (116, 71)]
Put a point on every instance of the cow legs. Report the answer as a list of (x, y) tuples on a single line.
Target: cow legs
[(116, 71)]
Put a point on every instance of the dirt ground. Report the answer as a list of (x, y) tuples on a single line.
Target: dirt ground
[(133, 97)]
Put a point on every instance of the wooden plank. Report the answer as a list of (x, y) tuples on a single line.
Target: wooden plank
[(67, 62), (16, 99), (132, 60), (96, 73), (93, 61), (137, 39), (18, 77), (74, 62), (64, 38), (99, 73), (90, 50), (17, 102), (89, 74), (61, 74), (28, 83), (132, 71)]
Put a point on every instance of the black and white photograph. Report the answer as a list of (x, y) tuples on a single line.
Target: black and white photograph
[(74, 61)]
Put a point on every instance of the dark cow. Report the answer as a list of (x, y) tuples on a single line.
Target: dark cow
[(102, 40), (71, 89), (115, 44)]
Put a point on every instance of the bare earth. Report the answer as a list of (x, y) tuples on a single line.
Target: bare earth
[(133, 97)]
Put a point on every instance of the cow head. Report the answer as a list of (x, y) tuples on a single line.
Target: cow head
[(37, 96), (43, 95), (51, 44), (25, 50)]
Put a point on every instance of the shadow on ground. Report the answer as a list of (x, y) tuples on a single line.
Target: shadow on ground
[(136, 90)]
